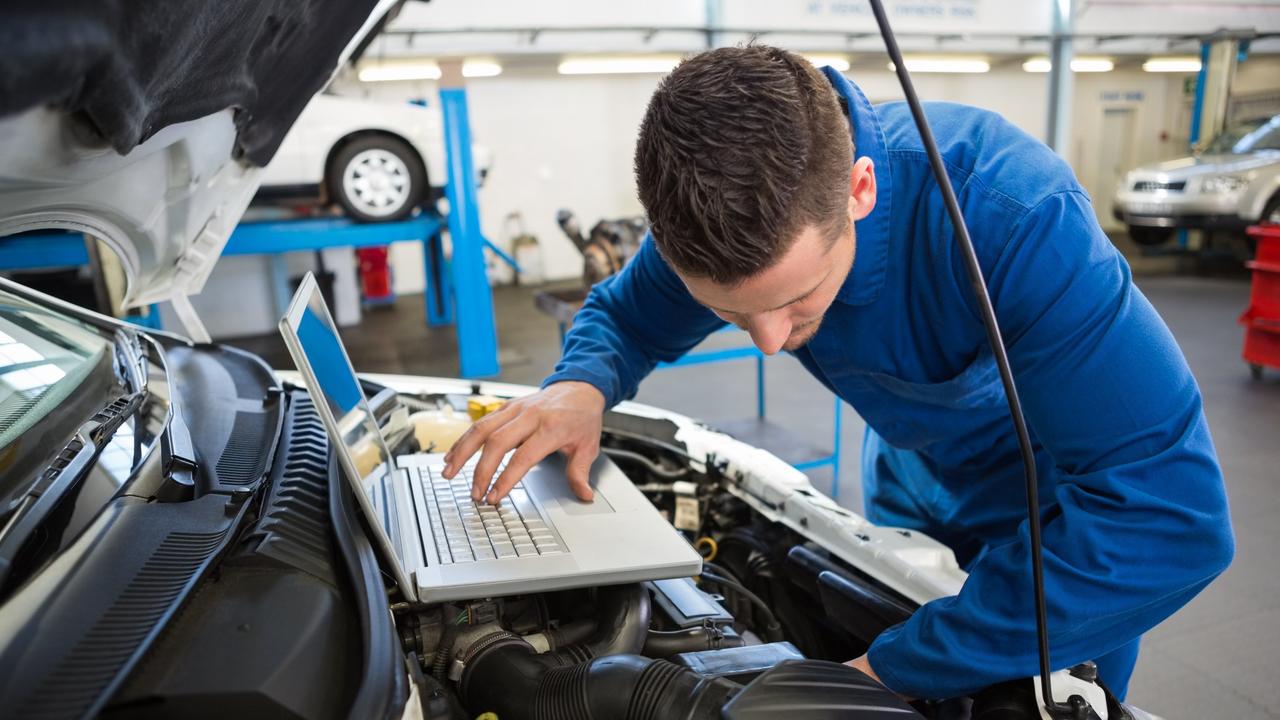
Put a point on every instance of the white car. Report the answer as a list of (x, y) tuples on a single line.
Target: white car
[(378, 160), (1234, 182)]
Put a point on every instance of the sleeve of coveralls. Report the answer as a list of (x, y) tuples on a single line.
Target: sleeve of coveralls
[(1138, 524), (629, 323)]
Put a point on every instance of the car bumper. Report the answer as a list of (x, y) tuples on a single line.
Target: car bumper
[(1172, 210)]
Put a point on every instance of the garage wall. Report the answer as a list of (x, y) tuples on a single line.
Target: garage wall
[(567, 141)]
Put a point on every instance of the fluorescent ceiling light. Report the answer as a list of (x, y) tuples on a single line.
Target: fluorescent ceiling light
[(481, 68), (1172, 65), (1080, 65), (388, 72), (618, 65), (942, 64), (839, 62), (1092, 65), (425, 70)]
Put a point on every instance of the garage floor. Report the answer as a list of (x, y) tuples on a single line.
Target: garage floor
[(1215, 658)]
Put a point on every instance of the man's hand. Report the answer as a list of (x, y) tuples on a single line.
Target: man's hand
[(864, 665), (565, 416)]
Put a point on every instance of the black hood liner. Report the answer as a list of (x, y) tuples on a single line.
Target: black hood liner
[(132, 68)]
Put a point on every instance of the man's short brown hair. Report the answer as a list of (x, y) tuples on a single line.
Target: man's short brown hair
[(740, 149)]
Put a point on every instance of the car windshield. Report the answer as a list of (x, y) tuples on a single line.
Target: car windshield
[(1247, 137), (44, 358)]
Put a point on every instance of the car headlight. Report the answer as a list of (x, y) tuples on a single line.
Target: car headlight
[(1222, 184)]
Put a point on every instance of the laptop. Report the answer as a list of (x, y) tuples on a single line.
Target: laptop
[(437, 543)]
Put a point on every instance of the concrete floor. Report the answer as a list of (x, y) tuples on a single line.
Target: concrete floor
[(1211, 660)]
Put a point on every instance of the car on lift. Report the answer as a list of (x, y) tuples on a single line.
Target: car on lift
[(175, 536), (1233, 182), (377, 160)]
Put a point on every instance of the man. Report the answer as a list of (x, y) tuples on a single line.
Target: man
[(781, 201)]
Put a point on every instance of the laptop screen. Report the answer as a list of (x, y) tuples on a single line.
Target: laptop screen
[(312, 337), (362, 441)]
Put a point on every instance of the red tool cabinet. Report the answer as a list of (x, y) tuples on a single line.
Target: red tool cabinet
[(1262, 319)]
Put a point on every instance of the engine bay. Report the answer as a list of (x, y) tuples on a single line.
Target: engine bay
[(770, 615)]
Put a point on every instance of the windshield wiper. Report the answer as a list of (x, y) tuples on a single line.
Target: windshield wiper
[(66, 470)]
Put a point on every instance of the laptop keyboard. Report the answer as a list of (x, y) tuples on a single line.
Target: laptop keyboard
[(467, 531)]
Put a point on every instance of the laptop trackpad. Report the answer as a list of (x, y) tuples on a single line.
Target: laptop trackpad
[(547, 483)]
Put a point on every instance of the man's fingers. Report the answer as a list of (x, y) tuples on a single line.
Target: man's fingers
[(499, 443), (579, 470), (524, 458), (469, 442)]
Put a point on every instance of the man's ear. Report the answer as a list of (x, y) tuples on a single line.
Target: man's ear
[(862, 188)]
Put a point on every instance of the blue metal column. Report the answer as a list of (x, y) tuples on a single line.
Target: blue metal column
[(1198, 105), (1061, 79), (477, 335), (760, 386), (835, 455), (438, 294), (1201, 80)]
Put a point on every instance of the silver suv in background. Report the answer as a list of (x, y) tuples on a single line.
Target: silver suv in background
[(1233, 182)]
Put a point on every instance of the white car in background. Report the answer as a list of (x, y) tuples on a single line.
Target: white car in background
[(1230, 184), (377, 159)]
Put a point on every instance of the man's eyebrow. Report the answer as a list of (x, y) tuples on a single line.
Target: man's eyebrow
[(796, 299)]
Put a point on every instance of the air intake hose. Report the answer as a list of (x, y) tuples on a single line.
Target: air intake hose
[(622, 623), (508, 678), (665, 643)]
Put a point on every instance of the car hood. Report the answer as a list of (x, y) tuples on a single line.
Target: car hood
[(146, 123), (1194, 166)]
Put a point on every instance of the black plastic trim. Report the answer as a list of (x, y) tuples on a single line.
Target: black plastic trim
[(383, 686)]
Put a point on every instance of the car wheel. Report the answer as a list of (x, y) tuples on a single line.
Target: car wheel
[(377, 178), (1272, 213), (1149, 236)]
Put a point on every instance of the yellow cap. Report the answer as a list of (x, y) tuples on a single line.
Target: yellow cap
[(487, 716), (480, 405)]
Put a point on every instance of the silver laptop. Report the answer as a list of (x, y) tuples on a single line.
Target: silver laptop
[(440, 545)]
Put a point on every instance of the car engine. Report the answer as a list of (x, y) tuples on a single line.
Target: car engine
[(755, 632)]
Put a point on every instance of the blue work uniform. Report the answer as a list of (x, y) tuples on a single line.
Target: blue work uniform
[(1132, 497)]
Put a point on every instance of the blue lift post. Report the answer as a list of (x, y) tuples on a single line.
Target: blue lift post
[(472, 297), (1197, 106)]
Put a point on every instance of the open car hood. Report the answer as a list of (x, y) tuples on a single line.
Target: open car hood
[(146, 123)]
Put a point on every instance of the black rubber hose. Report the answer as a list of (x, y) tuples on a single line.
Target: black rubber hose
[(665, 643), (512, 681), (622, 620), (570, 633), (772, 628)]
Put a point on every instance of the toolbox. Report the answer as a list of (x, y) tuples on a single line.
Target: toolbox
[(1262, 318)]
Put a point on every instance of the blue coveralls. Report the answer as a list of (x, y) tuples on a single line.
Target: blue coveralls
[(1132, 497)]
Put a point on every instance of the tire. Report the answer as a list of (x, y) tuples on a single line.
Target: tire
[(376, 178), (1272, 212), (1150, 236)]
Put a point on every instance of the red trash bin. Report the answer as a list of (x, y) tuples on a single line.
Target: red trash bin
[(1262, 319)]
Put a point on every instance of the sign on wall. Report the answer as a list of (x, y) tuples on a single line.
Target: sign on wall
[(906, 16)]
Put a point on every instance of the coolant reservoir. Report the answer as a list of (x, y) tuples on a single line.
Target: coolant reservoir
[(438, 430)]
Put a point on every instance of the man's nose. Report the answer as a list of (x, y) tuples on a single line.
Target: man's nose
[(769, 332)]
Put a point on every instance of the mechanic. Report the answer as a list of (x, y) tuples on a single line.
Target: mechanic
[(782, 201)]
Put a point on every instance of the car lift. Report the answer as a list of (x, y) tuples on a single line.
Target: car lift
[(457, 291)]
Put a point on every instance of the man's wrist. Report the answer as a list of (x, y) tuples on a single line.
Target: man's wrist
[(583, 386), (593, 383)]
